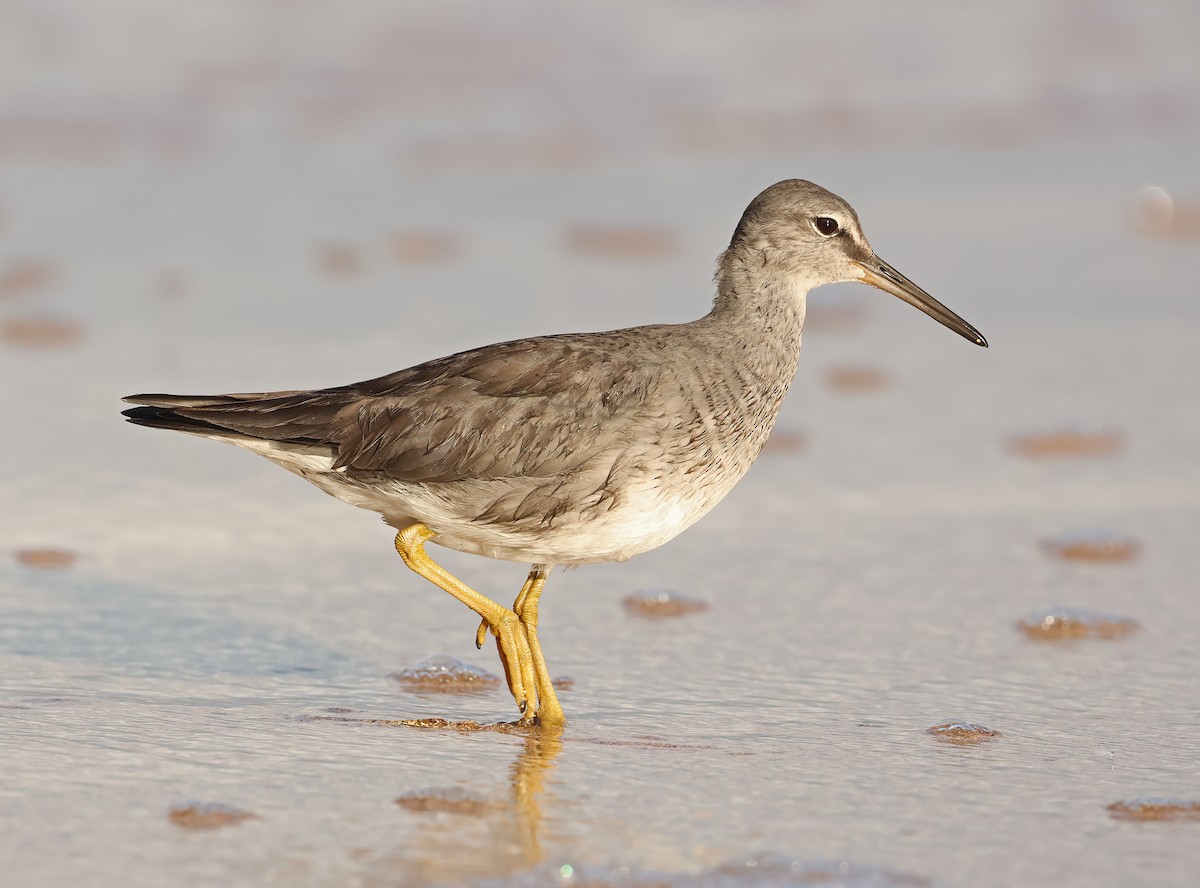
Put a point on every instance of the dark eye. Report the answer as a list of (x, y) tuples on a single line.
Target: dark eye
[(825, 226)]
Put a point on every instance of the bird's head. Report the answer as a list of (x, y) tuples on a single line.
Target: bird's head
[(802, 231)]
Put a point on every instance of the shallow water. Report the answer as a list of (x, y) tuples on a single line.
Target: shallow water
[(197, 650)]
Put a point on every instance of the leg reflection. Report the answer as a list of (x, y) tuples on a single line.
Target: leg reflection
[(461, 836), (528, 782)]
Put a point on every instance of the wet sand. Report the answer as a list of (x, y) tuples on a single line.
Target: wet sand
[(202, 659)]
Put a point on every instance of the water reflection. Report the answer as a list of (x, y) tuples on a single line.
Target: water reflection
[(528, 773), (461, 835)]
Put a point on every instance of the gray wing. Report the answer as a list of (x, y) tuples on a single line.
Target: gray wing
[(534, 408)]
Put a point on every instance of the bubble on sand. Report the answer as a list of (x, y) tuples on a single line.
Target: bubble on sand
[(756, 871), (41, 332), (1157, 214), (1057, 623), (851, 379), (961, 733), (46, 559), (1093, 546), (662, 603), (1154, 809), (629, 242), (446, 800), (442, 674), (1067, 443), (1153, 211), (208, 815)]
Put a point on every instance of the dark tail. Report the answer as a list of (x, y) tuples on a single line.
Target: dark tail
[(165, 418), (291, 419)]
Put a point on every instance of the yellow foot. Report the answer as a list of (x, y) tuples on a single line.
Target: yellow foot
[(511, 638), (550, 712), (517, 659)]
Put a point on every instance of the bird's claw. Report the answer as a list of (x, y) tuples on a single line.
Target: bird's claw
[(517, 657)]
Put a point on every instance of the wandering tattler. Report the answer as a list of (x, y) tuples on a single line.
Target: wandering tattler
[(574, 448)]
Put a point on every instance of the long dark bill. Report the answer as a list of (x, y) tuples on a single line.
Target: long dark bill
[(879, 274)]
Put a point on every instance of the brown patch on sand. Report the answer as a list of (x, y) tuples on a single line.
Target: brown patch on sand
[(208, 815), (841, 316), (1094, 547), (46, 559), (25, 276), (1067, 443), (785, 441), (627, 242), (41, 332), (1059, 623), (855, 379), (170, 284), (1154, 809), (421, 247), (339, 259), (445, 801)]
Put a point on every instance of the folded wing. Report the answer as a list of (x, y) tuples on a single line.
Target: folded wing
[(532, 408)]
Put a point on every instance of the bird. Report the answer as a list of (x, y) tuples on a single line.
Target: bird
[(567, 449)]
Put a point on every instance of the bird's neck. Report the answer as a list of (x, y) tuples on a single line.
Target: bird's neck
[(747, 350), (759, 310), (750, 348)]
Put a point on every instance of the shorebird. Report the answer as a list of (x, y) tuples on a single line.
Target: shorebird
[(574, 448)]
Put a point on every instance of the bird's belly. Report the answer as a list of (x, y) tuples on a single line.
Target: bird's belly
[(644, 518), (616, 535), (644, 514)]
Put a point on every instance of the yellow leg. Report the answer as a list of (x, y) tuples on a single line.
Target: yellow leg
[(510, 634), (526, 608), (550, 712)]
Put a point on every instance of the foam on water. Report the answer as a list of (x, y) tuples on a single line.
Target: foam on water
[(659, 603), (961, 733), (443, 674)]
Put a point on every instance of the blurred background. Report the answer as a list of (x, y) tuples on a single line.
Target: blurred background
[(260, 195)]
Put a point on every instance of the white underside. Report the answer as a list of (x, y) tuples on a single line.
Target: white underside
[(644, 520)]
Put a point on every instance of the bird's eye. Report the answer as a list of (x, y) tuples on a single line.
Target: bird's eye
[(826, 227)]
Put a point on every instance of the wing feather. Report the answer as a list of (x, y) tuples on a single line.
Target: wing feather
[(533, 408)]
